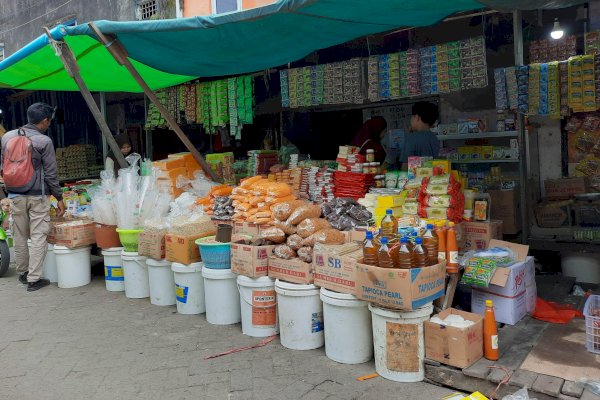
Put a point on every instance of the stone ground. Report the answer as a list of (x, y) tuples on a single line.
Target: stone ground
[(87, 343)]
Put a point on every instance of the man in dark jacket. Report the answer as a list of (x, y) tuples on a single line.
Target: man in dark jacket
[(31, 210)]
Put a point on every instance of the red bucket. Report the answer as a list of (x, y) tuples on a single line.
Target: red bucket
[(107, 236)]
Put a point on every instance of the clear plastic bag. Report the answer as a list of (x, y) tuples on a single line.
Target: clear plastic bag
[(312, 225), (592, 385), (520, 394), (504, 257)]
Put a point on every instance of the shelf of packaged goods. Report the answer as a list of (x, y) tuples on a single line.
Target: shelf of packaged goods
[(482, 135), (483, 161)]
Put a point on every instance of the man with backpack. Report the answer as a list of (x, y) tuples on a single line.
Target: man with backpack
[(29, 173)]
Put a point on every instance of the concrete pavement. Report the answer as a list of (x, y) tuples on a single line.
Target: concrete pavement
[(87, 343)]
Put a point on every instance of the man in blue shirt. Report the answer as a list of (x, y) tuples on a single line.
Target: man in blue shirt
[(420, 141)]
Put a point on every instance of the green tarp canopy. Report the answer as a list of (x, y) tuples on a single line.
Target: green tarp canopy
[(169, 52)]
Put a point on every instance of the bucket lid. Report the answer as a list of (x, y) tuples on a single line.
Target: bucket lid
[(113, 251), (262, 281), (218, 273), (157, 263), (422, 312), (131, 255), (50, 247), (182, 268), (337, 295), (294, 286), (65, 249)]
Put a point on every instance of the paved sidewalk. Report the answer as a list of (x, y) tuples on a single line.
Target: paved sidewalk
[(87, 343)]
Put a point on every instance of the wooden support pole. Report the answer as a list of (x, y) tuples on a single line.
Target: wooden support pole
[(116, 49), (63, 51)]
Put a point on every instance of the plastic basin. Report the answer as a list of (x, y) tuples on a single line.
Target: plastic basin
[(129, 239)]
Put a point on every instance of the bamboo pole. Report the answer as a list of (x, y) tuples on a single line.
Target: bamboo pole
[(63, 51), (119, 53)]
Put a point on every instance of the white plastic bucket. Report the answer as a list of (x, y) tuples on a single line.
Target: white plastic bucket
[(73, 266), (49, 267), (348, 331), (222, 297), (399, 343), (258, 302), (50, 271), (113, 269), (135, 272), (162, 284), (189, 288), (300, 313)]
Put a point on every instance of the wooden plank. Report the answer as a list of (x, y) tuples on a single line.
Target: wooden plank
[(116, 49), (548, 385), (70, 64), (571, 388), (450, 290)]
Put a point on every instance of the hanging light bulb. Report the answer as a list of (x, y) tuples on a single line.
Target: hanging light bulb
[(557, 31)]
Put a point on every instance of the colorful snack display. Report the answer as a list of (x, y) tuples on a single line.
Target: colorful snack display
[(479, 272)]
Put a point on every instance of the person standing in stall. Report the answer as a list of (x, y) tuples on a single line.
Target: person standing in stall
[(30, 175), (369, 138), (420, 141), (125, 145)]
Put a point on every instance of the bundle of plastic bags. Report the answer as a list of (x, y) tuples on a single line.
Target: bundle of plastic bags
[(131, 199)]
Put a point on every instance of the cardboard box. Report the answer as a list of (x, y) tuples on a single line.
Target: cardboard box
[(400, 289), (454, 346), (182, 249), (63, 233), (565, 188), (250, 261), (245, 228), (512, 289), (555, 214), (152, 245), (335, 272), (506, 208), (294, 271), (477, 235)]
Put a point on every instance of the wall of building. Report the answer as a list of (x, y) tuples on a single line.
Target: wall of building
[(22, 20), (192, 8)]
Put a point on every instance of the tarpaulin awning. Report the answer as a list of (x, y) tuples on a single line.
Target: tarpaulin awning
[(169, 52)]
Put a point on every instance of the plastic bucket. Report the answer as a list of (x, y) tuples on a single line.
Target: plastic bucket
[(348, 331), (129, 239), (73, 266), (50, 272), (162, 284), (106, 236), (49, 267), (135, 272), (222, 296), (399, 344), (258, 302), (113, 269), (189, 288), (300, 312), (215, 255)]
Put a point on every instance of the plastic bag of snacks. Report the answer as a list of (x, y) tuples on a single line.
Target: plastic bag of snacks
[(479, 272), (312, 225), (274, 235), (285, 227), (326, 236), (306, 254), (502, 256), (284, 251), (294, 241), (304, 212), (282, 211)]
